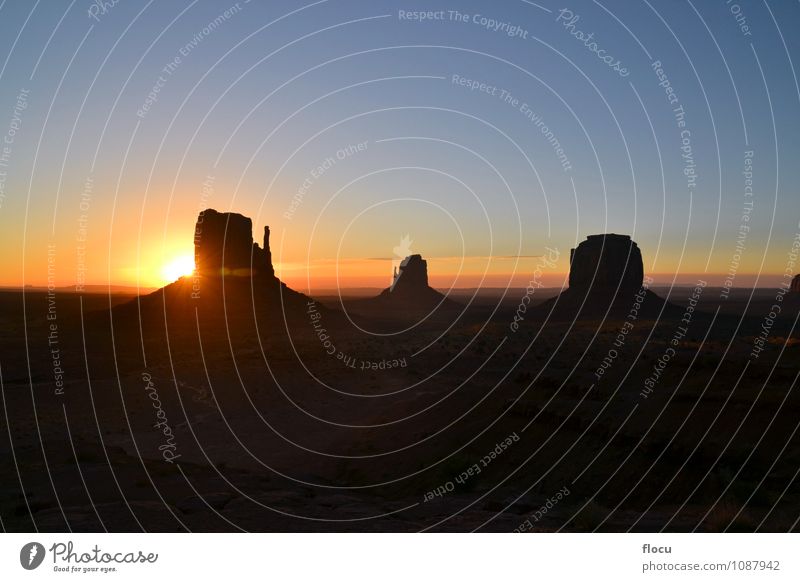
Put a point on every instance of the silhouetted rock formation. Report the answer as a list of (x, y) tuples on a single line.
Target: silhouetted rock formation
[(606, 274), (411, 277), (223, 245), (410, 289), (606, 262), (795, 288), (409, 297), (233, 279), (267, 254)]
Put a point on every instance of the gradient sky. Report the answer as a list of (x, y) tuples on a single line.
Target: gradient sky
[(258, 102)]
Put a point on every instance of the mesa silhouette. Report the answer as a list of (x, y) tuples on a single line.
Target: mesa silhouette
[(410, 290), (234, 278), (606, 274), (407, 301)]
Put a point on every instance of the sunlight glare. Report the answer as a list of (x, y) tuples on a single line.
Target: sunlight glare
[(179, 267)]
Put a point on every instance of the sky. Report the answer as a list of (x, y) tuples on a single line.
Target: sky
[(488, 134)]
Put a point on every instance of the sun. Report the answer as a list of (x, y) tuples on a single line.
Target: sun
[(179, 267)]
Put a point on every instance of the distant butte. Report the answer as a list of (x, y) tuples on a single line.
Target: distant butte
[(411, 277), (605, 263), (795, 284), (410, 287), (606, 273), (409, 297)]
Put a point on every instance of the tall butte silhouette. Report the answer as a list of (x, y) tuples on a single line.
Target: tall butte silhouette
[(606, 273), (234, 278), (408, 300), (410, 292)]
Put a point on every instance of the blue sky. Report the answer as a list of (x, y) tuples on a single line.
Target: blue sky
[(265, 96)]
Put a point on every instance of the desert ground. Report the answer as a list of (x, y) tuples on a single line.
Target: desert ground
[(456, 421)]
